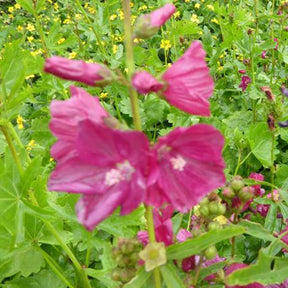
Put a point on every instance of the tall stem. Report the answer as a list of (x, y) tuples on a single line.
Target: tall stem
[(253, 76), (136, 115), (130, 63)]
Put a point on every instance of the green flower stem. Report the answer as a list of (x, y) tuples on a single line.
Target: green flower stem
[(253, 76), (55, 267), (92, 27), (272, 168), (130, 63), (15, 155), (84, 282)]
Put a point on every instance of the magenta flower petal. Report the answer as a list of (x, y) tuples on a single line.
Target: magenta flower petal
[(66, 116), (245, 80), (189, 84), (147, 25), (188, 165), (78, 70), (144, 83), (161, 15)]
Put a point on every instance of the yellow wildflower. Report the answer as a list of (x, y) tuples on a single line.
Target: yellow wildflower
[(221, 220), (11, 9), (17, 6), (72, 55), (210, 7), (142, 8), (20, 122), (92, 10), (55, 6), (67, 20), (103, 95), (19, 28), (214, 20), (121, 15), (114, 49), (165, 44), (176, 14), (194, 19), (30, 145), (113, 17), (30, 39), (187, 1), (78, 16), (30, 27), (29, 76), (197, 6), (61, 40)]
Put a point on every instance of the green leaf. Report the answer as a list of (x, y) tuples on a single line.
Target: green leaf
[(171, 277), (139, 280), (261, 272), (103, 276), (256, 230), (260, 140), (270, 220), (195, 245)]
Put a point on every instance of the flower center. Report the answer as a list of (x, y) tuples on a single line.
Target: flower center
[(123, 171), (178, 163)]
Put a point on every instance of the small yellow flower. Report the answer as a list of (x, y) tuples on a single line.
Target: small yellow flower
[(67, 20), (20, 122), (194, 19), (55, 6), (221, 220), (176, 14), (11, 9), (165, 44), (51, 159), (72, 55), (19, 28), (113, 17), (30, 145), (131, 5), (197, 6), (154, 255), (92, 10), (214, 20), (86, 5), (78, 16), (50, 1), (187, 1), (11, 16), (30, 39), (114, 49), (220, 68), (61, 40), (30, 27), (121, 15), (29, 76), (143, 8), (103, 95), (36, 52), (133, 18), (210, 7), (196, 210), (17, 6)]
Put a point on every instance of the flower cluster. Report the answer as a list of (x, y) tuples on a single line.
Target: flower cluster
[(111, 167)]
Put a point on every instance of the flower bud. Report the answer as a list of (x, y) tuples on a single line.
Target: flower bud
[(237, 183), (92, 74), (228, 193), (246, 193), (210, 253), (214, 226), (147, 25)]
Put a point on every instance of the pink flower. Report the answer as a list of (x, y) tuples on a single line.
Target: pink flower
[(185, 165), (147, 25), (97, 161), (187, 83), (163, 227), (144, 83), (268, 93), (245, 80), (236, 266), (257, 188), (92, 74), (183, 235), (66, 115), (242, 71), (263, 54)]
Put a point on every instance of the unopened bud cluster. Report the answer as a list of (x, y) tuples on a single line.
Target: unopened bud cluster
[(237, 188), (126, 256), (211, 206)]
